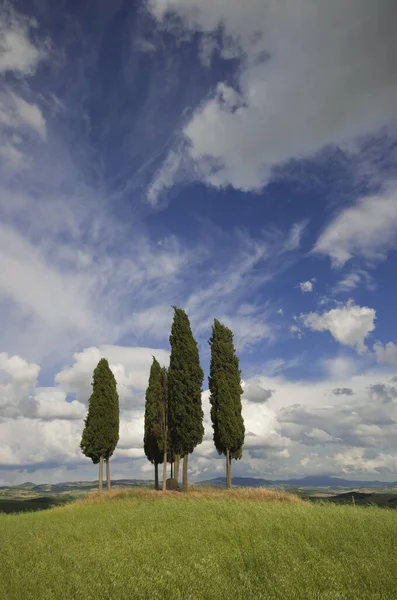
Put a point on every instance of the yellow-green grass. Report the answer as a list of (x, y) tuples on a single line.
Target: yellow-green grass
[(247, 544)]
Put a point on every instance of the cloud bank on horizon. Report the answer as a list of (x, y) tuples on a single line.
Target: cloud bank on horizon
[(236, 160)]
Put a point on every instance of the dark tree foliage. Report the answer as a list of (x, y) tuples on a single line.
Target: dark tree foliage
[(155, 436), (225, 394), (185, 380), (101, 431)]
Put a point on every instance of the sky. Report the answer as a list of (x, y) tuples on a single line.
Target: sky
[(236, 159)]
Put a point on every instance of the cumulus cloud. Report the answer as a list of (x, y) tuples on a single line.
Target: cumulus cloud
[(255, 392), (292, 96), (307, 286), (51, 403), (43, 425), (18, 379), (29, 442), (130, 366), (348, 324), (368, 230), (290, 424), (356, 460)]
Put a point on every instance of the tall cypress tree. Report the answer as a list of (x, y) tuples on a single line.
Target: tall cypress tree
[(185, 380), (101, 430), (156, 417), (225, 397)]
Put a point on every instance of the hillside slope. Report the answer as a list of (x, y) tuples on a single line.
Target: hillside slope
[(204, 545)]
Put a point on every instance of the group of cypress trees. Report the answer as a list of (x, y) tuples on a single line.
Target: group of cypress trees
[(101, 427), (173, 410)]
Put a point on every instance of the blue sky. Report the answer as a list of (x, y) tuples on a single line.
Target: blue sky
[(237, 161)]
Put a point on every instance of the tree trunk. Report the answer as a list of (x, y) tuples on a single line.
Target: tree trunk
[(156, 476), (165, 471), (177, 465), (184, 478), (172, 469), (228, 470), (100, 478), (108, 474)]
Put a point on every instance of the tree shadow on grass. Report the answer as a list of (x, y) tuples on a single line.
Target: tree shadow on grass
[(10, 505)]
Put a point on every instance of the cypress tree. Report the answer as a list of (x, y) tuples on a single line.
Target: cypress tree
[(185, 380), (155, 436), (225, 397), (101, 430)]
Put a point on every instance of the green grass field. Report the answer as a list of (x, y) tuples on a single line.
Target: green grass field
[(247, 544)]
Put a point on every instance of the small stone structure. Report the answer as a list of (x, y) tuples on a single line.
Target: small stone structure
[(172, 484)]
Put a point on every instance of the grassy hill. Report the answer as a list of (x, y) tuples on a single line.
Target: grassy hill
[(208, 544)]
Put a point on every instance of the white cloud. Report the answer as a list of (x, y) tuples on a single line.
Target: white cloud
[(354, 461), (283, 420), (52, 404), (348, 324), (130, 367), (19, 55), (31, 442), (306, 286), (14, 158), (19, 119), (386, 353), (366, 230), (294, 97), (352, 280), (18, 52), (319, 435), (60, 299), (164, 177), (18, 379), (295, 330), (16, 112), (255, 392), (340, 367)]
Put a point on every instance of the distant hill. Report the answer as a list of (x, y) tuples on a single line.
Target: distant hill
[(76, 486), (28, 485), (333, 482), (312, 481), (238, 481)]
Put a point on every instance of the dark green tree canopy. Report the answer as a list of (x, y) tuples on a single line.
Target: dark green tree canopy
[(101, 431), (185, 380), (225, 393), (155, 436)]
